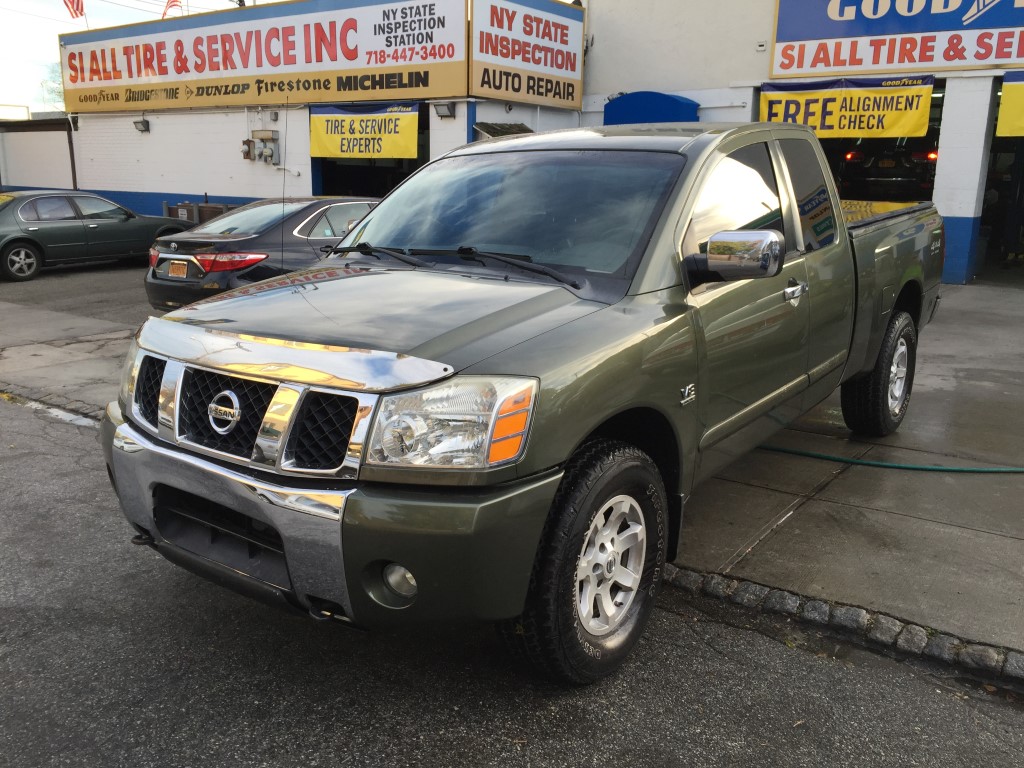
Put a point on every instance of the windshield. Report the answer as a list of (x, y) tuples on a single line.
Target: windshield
[(586, 211), (250, 219)]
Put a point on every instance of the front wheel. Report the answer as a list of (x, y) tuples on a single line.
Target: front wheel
[(599, 566), (875, 405), (20, 261)]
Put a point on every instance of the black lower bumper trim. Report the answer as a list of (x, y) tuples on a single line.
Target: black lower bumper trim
[(233, 580)]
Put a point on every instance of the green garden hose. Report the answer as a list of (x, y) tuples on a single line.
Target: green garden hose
[(890, 465)]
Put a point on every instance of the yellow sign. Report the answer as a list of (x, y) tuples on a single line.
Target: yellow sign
[(298, 52), (862, 107), (1011, 106), (388, 132)]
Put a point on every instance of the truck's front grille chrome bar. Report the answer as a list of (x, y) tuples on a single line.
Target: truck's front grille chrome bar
[(276, 427)]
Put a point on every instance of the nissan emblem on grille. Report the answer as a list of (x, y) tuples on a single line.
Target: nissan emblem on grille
[(225, 412)]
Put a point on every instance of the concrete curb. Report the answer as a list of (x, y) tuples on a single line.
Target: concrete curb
[(77, 407), (875, 629)]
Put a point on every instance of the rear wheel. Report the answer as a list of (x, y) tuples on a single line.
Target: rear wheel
[(599, 566), (20, 262), (875, 405)]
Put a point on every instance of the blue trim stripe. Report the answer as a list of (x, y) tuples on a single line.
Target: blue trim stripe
[(217, 18), (962, 257), (555, 8), (1013, 77), (470, 121), (148, 203)]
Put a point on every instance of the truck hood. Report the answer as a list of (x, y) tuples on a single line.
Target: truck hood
[(452, 318)]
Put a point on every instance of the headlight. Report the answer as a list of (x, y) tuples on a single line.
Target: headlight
[(473, 422), (128, 373)]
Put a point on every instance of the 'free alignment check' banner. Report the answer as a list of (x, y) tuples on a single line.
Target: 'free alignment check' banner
[(850, 107)]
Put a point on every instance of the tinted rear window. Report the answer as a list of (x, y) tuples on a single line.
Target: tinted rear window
[(249, 219)]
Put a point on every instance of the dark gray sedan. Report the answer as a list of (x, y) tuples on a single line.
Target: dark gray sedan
[(42, 228), (261, 240)]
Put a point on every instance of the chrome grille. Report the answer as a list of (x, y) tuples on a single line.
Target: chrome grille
[(320, 436), (199, 388), (147, 388)]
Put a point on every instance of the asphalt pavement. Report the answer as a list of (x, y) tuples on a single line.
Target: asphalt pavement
[(941, 550), (110, 656)]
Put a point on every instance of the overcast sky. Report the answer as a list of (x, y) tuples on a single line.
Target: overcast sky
[(28, 38)]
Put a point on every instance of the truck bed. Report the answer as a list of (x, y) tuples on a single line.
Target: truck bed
[(864, 213)]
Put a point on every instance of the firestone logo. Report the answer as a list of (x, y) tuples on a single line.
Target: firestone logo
[(847, 10)]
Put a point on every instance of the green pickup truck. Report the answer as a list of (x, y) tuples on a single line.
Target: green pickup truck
[(492, 401)]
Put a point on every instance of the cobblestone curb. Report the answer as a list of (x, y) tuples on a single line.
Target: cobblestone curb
[(874, 629)]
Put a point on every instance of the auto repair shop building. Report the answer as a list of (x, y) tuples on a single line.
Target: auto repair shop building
[(912, 98)]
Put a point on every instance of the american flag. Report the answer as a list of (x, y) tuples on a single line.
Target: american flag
[(167, 8), (75, 7)]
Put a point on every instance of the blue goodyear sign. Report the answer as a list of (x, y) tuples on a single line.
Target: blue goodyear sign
[(874, 107), (815, 37)]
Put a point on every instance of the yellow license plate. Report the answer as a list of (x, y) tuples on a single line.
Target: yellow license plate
[(886, 163), (178, 269)]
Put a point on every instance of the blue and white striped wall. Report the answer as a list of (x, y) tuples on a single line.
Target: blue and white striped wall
[(965, 140)]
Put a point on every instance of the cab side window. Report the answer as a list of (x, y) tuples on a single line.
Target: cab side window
[(319, 227), (817, 219), (343, 216), (740, 193), (48, 209), (98, 208)]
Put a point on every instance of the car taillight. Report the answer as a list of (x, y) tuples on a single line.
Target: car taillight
[(925, 157), (854, 157), (226, 262), (154, 254)]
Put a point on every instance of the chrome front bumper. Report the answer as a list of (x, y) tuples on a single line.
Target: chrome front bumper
[(308, 520), (470, 549)]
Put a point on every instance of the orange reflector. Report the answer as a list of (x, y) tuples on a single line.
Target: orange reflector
[(517, 402), (505, 449), (513, 424)]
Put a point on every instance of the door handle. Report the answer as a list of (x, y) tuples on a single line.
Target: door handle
[(92, 226), (795, 290), (33, 229)]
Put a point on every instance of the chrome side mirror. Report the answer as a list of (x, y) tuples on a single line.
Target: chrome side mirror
[(738, 255)]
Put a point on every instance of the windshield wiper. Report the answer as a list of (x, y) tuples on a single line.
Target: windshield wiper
[(365, 249), (522, 261)]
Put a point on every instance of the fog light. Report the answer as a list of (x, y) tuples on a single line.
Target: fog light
[(400, 580)]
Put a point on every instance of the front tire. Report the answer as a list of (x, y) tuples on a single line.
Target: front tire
[(599, 566), (20, 262), (875, 405)]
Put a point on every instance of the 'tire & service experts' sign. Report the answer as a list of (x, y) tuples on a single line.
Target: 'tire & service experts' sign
[(307, 51), (821, 37), (389, 131)]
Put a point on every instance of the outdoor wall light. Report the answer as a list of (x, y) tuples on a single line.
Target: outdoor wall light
[(142, 126), (444, 109)]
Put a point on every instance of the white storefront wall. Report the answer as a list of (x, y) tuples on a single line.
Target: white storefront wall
[(189, 155), (35, 159), (716, 54)]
